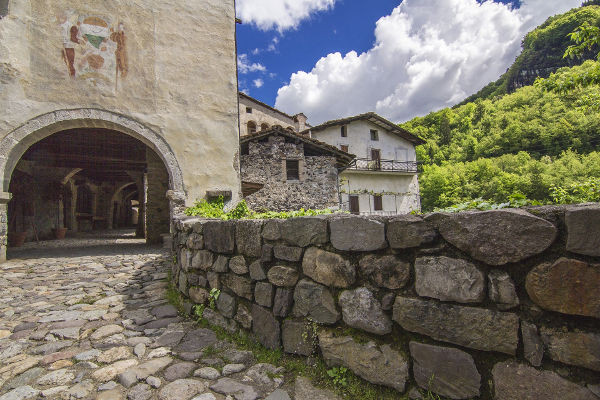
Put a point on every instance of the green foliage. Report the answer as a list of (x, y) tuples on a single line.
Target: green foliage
[(586, 38), (588, 191), (213, 296), (216, 209), (338, 376)]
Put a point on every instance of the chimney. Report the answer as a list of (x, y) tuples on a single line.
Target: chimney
[(300, 120)]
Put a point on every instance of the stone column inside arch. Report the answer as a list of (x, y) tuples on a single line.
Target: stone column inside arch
[(156, 185), (4, 199)]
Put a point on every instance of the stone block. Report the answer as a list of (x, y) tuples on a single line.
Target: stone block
[(288, 253), (496, 237), (304, 231), (257, 272), (266, 254), (271, 229), (182, 283), (214, 280), (449, 279), (408, 231), (284, 299), (221, 264), (574, 348), (328, 268), (583, 229), (248, 237), (243, 316), (378, 365), (361, 310), (202, 260), (315, 301), (476, 328), (195, 241), (446, 371), (266, 327), (214, 318), (298, 338), (502, 290), (514, 381), (283, 276), (533, 348), (567, 286), (238, 265), (239, 285), (354, 233), (263, 294), (385, 271), (226, 305), (219, 236), (198, 295)]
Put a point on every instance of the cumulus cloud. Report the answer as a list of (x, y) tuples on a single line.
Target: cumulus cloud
[(245, 65), (428, 54), (258, 83), (279, 14)]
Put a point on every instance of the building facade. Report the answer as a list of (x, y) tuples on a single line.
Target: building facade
[(283, 171), (383, 178), (117, 68), (256, 116)]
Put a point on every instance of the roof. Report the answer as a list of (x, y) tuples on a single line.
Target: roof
[(242, 94), (375, 119), (343, 158)]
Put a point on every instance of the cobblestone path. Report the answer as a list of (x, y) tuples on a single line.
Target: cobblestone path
[(99, 327)]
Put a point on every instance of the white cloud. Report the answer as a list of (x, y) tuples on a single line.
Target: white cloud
[(428, 54), (279, 14), (258, 83), (245, 65)]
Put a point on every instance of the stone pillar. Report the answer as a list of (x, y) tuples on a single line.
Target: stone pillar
[(157, 204), (4, 199)]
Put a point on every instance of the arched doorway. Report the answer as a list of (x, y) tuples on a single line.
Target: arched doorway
[(55, 163)]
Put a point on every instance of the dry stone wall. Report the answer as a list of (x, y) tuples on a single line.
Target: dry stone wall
[(500, 304)]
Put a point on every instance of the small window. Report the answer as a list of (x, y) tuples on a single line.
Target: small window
[(377, 202), (354, 204), (251, 128), (344, 131), (248, 110), (374, 134), (3, 8), (344, 147), (264, 127), (292, 169)]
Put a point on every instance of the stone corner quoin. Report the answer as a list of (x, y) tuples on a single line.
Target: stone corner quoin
[(455, 286)]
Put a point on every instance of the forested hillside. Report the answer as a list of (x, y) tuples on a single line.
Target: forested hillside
[(543, 50)]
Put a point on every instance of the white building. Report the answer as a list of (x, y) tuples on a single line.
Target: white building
[(383, 179), (256, 116)]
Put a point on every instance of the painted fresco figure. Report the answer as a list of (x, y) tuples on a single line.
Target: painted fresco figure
[(121, 52), (71, 38)]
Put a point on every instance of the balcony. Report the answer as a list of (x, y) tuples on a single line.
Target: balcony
[(365, 164)]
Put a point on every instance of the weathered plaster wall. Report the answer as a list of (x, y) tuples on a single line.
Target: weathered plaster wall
[(316, 189), (180, 78), (497, 304)]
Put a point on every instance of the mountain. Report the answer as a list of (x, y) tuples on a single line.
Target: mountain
[(543, 50)]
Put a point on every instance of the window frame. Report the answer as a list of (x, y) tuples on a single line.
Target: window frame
[(4, 8), (374, 135), (344, 131), (294, 177), (250, 130), (377, 202), (248, 110)]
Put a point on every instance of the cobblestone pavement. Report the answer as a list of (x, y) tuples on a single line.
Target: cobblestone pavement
[(98, 326)]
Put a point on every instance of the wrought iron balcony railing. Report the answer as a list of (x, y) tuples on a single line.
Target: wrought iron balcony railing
[(365, 164)]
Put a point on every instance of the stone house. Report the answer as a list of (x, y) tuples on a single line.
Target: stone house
[(256, 116), (383, 179), (283, 171)]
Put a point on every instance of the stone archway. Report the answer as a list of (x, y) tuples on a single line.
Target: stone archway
[(14, 145)]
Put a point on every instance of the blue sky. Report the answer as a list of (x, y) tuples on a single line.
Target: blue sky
[(332, 60)]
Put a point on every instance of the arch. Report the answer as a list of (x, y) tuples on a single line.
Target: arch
[(264, 127), (251, 127), (3, 8), (16, 143), (71, 174)]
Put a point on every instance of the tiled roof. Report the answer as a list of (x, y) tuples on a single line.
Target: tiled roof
[(374, 118)]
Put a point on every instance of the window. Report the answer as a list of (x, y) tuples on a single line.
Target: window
[(376, 157), (264, 127), (292, 170), (248, 110), (344, 147), (377, 202), (374, 134), (3, 8), (354, 208), (251, 127), (344, 131)]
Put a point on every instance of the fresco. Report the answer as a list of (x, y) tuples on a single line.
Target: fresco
[(94, 48)]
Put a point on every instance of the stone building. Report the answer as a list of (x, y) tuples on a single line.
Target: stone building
[(283, 171), (256, 116), (383, 179), (104, 108)]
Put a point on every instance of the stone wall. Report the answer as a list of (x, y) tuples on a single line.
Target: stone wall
[(317, 187), (498, 304)]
